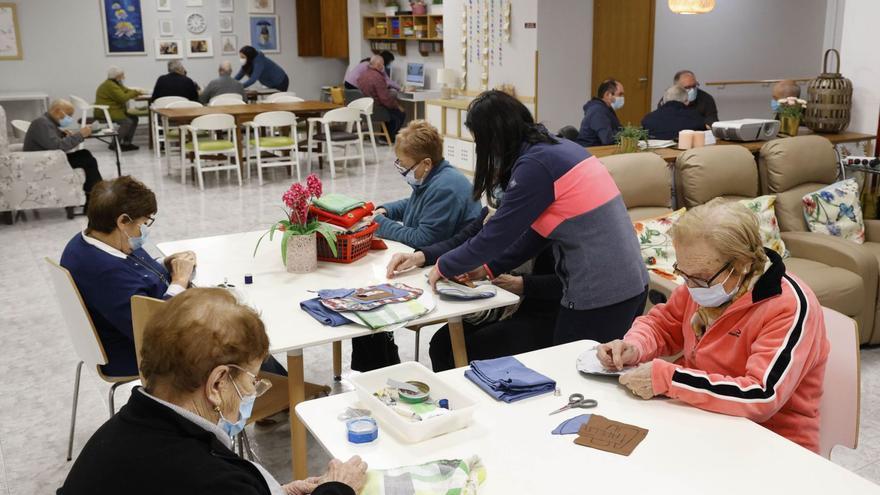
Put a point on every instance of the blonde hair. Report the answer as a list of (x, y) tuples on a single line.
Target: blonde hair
[(728, 226), (420, 140)]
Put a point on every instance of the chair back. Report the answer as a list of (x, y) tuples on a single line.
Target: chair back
[(227, 96), (275, 119), (184, 104), (143, 309), (21, 126), (643, 180), (726, 171), (79, 103), (214, 122), (285, 99), (76, 317), (839, 407), (365, 105), (4, 138), (343, 115), (274, 97), (166, 100), (225, 100)]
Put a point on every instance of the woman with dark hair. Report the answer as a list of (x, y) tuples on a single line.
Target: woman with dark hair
[(260, 68), (556, 194)]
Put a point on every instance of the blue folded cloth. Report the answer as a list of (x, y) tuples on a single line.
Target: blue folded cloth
[(507, 379), (319, 312), (334, 293)]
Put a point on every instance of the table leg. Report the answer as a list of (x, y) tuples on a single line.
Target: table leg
[(456, 335), (297, 392), (150, 124), (240, 146), (337, 360), (116, 150)]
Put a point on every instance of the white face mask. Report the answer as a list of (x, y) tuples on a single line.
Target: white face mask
[(692, 94), (712, 297), (242, 61), (617, 104)]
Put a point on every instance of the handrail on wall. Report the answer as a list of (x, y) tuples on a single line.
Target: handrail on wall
[(763, 82)]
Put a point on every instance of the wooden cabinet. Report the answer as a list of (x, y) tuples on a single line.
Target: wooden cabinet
[(322, 28), (392, 32)]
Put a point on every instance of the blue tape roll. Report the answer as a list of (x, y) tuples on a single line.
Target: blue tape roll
[(362, 430)]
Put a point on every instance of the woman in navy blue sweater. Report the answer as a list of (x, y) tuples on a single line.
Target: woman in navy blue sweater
[(260, 68)]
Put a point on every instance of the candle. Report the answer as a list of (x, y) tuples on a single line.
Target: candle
[(685, 140)]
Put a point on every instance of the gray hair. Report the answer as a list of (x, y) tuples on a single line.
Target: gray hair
[(786, 88), (114, 72), (680, 73), (675, 93), (62, 104), (225, 68), (176, 66), (377, 61)]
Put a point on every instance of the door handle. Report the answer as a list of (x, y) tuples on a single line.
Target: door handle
[(643, 79)]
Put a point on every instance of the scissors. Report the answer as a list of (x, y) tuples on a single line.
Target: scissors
[(576, 400)]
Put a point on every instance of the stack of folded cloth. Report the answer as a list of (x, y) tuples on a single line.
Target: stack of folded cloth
[(375, 306), (342, 212), (508, 379)]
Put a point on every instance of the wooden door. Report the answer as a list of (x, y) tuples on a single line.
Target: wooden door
[(334, 28), (623, 49)]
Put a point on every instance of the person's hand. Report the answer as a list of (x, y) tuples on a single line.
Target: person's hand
[(85, 131), (401, 262), (617, 354), (380, 211), (352, 472), (182, 269), (187, 254), (434, 276), (639, 382), (510, 283), (302, 487)]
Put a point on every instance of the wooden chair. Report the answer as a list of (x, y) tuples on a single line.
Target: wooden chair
[(839, 408)]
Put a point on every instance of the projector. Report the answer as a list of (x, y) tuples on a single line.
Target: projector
[(746, 129)]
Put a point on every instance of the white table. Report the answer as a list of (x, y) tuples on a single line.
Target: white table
[(418, 97), (41, 98), (687, 450), (277, 294)]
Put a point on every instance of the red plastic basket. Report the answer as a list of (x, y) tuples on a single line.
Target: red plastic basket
[(349, 247)]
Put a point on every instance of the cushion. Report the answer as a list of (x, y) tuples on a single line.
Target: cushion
[(702, 174), (274, 141), (836, 288), (764, 209), (643, 179), (835, 210), (788, 162), (646, 212), (337, 136), (656, 244), (212, 145)]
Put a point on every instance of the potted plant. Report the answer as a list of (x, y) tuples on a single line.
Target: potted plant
[(299, 248), (418, 7), (628, 138), (791, 110), (436, 7), (391, 7)]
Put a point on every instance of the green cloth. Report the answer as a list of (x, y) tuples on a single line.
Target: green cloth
[(337, 203), (212, 145), (274, 142), (442, 477), (390, 314), (114, 95)]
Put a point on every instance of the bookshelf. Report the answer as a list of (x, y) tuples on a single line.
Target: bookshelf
[(393, 32)]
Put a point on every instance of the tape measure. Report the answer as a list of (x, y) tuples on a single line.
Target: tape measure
[(362, 430)]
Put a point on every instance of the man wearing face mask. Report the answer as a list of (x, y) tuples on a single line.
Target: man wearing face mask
[(783, 89), (600, 122), (109, 265), (673, 116), (56, 130), (698, 99)]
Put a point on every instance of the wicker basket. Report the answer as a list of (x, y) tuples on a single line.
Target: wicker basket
[(829, 99)]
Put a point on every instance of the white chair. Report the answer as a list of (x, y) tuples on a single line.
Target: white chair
[(84, 108), (226, 99), (281, 97), (350, 117), (21, 126), (84, 337), (172, 136), (365, 106), (157, 127), (211, 147), (839, 408), (274, 144)]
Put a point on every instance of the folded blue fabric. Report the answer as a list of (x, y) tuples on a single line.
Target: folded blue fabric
[(334, 293), (571, 425), (317, 310), (508, 379)]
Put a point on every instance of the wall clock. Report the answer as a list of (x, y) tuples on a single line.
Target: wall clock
[(195, 23)]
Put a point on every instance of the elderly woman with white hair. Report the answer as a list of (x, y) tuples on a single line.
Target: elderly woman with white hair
[(751, 336), (175, 83), (113, 93)]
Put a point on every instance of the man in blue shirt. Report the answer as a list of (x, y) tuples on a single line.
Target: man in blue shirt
[(600, 123), (674, 115)]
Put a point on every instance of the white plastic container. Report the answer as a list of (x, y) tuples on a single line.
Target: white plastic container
[(461, 406)]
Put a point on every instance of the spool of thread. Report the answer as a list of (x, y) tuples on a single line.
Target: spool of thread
[(685, 140), (443, 403), (362, 430), (248, 279), (699, 139)]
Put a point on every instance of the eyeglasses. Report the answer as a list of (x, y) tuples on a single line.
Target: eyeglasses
[(696, 280), (150, 220), (261, 385), (403, 170)]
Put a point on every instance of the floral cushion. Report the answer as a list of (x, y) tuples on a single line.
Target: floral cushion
[(835, 210), (656, 243), (765, 209)]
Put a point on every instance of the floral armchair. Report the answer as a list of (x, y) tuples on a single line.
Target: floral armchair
[(36, 179)]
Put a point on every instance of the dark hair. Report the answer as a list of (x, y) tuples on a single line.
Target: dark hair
[(111, 198), (501, 125), (608, 85), (250, 53), (387, 56), (680, 73)]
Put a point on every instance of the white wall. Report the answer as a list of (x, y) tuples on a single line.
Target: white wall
[(860, 63), (64, 51)]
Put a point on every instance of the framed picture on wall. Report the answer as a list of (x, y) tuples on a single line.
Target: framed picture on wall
[(167, 48), (199, 47), (229, 44), (264, 33), (166, 27), (261, 6), (123, 26), (226, 5), (163, 5), (225, 21), (10, 39), (195, 3)]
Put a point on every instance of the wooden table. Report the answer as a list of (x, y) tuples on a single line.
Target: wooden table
[(276, 294), (255, 94)]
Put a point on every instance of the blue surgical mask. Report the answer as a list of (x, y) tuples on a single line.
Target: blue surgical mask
[(712, 297), (774, 106), (617, 104), (692, 94), (411, 180), (138, 242), (66, 121), (245, 407)]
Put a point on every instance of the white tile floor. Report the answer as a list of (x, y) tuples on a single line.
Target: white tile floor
[(37, 361)]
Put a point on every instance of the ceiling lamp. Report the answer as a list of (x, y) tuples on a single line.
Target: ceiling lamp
[(691, 6)]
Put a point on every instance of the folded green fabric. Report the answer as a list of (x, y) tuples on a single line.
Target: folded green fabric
[(337, 203), (390, 314), (441, 477)]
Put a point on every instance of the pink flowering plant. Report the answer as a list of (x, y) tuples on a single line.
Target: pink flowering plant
[(297, 220)]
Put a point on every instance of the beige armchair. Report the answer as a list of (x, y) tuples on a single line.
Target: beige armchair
[(791, 168), (37, 179), (843, 277)]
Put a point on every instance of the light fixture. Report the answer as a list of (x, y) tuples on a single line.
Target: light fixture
[(691, 6)]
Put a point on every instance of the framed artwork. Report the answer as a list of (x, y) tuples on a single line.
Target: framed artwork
[(229, 44), (10, 39), (199, 47), (264, 33), (167, 48), (123, 26), (195, 3), (225, 21), (166, 27), (226, 5), (261, 6), (163, 5)]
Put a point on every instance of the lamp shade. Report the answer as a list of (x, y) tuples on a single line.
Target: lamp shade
[(691, 6), (445, 76)]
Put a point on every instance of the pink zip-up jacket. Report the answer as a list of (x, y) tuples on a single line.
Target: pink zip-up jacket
[(763, 358)]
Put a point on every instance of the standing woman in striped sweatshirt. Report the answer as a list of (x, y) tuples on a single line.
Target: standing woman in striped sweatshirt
[(555, 193)]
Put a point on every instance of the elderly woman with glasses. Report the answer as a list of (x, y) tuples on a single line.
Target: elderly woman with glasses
[(199, 359), (751, 336)]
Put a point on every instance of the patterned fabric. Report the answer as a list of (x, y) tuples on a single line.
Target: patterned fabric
[(443, 477), (391, 314), (656, 244), (765, 209), (36, 179), (362, 299), (835, 210)]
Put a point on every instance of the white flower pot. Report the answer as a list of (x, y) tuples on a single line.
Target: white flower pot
[(302, 253), (391, 11), (435, 9)]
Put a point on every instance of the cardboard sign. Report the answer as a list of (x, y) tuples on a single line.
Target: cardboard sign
[(611, 436)]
